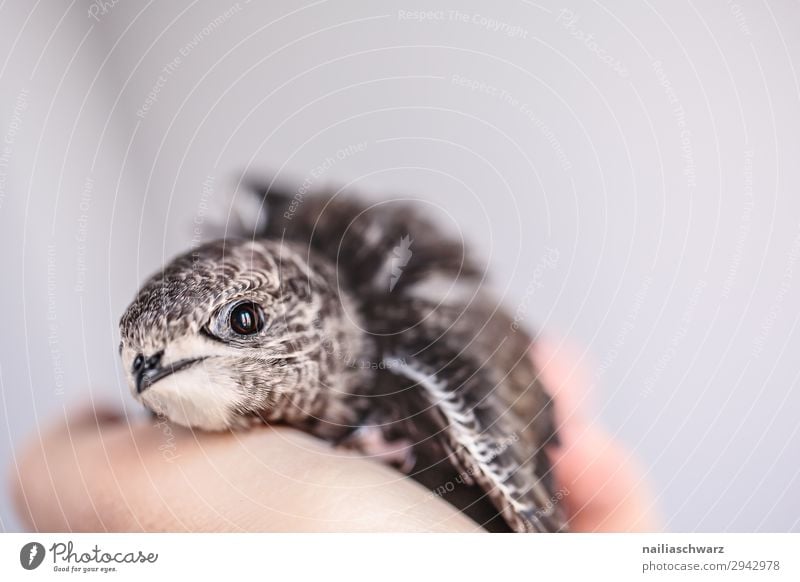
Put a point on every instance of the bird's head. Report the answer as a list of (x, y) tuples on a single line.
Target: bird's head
[(223, 333)]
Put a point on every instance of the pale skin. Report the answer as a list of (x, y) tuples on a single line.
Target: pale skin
[(100, 472)]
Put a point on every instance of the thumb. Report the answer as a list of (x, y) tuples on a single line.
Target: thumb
[(605, 489)]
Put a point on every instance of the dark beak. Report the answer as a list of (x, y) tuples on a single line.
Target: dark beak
[(148, 371)]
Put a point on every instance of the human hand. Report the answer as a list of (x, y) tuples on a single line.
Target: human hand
[(605, 488), (101, 472)]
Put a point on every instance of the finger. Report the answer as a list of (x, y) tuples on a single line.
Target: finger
[(152, 476), (55, 470), (605, 488)]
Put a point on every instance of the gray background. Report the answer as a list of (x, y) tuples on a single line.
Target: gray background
[(652, 148)]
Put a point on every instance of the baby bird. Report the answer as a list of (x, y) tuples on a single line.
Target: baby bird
[(364, 326)]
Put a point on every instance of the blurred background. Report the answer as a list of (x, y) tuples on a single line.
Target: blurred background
[(630, 174)]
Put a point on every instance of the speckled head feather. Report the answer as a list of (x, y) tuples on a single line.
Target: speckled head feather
[(181, 322)]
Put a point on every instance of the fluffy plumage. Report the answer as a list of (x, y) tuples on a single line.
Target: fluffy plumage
[(365, 320)]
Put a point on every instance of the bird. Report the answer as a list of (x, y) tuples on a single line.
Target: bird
[(365, 325)]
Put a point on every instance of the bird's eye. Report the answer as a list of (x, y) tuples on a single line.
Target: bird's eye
[(236, 321), (246, 318)]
